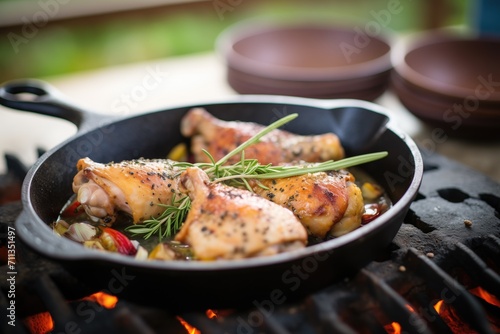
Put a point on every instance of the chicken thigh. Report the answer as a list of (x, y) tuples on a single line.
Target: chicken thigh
[(230, 223), (325, 203), (134, 187), (220, 137)]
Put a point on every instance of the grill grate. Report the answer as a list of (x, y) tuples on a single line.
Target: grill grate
[(370, 300)]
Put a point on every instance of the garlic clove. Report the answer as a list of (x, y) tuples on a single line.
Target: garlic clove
[(81, 232), (142, 253)]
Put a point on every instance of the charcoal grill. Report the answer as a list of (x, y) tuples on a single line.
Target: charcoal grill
[(447, 248)]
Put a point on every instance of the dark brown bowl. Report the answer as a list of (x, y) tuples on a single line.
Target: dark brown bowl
[(305, 59), (368, 88), (452, 65), (448, 113), (450, 80)]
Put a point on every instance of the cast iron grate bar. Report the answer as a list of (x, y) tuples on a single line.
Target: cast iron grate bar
[(301, 317), (452, 292), (330, 319), (61, 313), (395, 307), (274, 326), (478, 269), (495, 240), (130, 323), (491, 249)]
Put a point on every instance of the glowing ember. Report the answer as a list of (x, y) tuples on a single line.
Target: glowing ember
[(39, 323), (452, 320), (103, 299), (211, 314), (190, 329), (438, 306), (488, 297), (393, 328)]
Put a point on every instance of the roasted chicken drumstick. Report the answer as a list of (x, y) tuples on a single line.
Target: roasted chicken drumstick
[(230, 223), (327, 204), (135, 187), (219, 137)]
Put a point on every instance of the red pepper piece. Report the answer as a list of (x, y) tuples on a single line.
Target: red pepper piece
[(123, 244), (73, 210)]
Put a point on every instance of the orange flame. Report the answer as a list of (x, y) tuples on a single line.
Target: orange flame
[(103, 299), (190, 329), (211, 314), (479, 292), (393, 328), (40, 323), (438, 306), (488, 297)]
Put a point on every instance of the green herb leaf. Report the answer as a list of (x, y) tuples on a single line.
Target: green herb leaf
[(241, 171), (168, 223)]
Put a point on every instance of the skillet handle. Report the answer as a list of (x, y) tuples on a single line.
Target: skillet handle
[(41, 98)]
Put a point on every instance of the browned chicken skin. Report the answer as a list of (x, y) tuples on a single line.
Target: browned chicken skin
[(230, 223), (220, 137), (325, 203), (135, 187)]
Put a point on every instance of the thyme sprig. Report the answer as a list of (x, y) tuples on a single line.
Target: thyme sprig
[(237, 175)]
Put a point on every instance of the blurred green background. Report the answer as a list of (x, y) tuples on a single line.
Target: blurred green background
[(172, 29)]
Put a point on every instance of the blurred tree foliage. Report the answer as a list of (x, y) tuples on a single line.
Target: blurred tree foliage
[(62, 47)]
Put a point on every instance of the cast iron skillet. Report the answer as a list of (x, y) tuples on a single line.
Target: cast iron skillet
[(361, 126)]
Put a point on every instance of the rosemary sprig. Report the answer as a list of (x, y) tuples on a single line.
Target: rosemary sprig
[(236, 175), (169, 222), (251, 169)]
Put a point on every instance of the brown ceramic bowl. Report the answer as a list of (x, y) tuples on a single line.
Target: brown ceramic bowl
[(450, 80), (305, 59), (448, 113)]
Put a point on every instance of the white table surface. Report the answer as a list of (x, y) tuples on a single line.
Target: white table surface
[(158, 84)]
